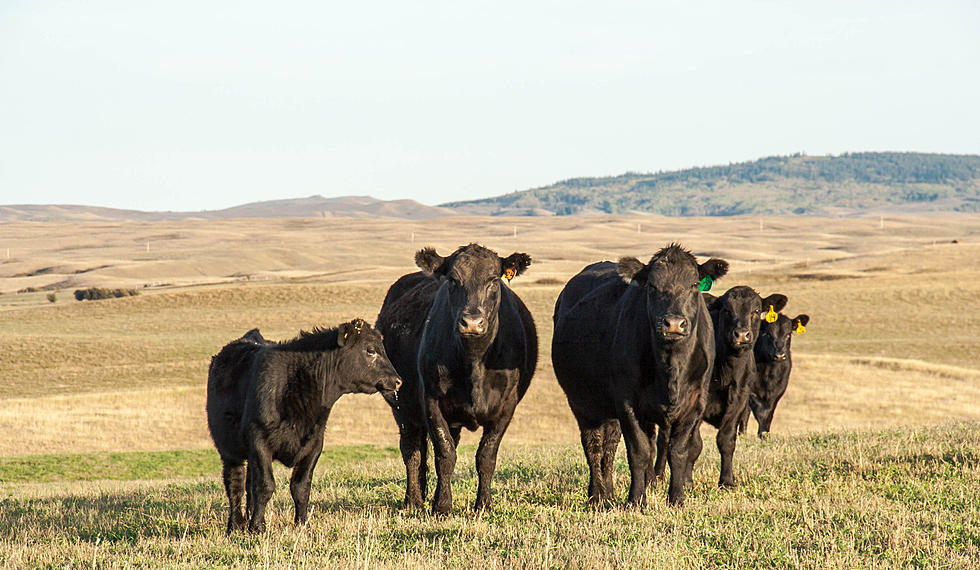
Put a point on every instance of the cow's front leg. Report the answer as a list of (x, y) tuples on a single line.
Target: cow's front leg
[(486, 455), (681, 455), (414, 448), (302, 477), (445, 452), (638, 454), (727, 434)]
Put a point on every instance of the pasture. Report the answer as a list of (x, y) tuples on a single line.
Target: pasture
[(105, 457)]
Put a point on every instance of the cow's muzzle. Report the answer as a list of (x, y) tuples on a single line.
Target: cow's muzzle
[(741, 338), (472, 325), (674, 327)]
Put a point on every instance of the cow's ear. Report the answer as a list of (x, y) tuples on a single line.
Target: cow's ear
[(514, 264), (348, 332), (801, 319), (714, 267), (632, 269), (709, 299), (428, 260), (776, 301)]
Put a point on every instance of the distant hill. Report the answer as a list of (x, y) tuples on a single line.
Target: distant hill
[(849, 184), (314, 206), (853, 183)]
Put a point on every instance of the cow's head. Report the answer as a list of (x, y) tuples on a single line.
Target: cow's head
[(472, 275), (364, 365), (738, 316), (775, 338), (671, 280)]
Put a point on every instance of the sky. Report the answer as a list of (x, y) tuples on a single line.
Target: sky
[(193, 105)]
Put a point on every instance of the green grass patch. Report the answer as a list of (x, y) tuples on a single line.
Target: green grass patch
[(902, 498), (150, 465)]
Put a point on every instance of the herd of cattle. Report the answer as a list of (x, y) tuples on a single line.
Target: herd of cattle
[(641, 351)]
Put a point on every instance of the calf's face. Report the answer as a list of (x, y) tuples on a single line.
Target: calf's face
[(365, 367), (775, 338), (671, 281), (472, 277), (738, 316)]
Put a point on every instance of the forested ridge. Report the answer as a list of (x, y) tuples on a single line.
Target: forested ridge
[(797, 184)]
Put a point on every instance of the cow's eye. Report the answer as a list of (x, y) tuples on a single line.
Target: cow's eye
[(371, 352)]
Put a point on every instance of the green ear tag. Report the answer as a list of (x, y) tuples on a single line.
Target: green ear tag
[(706, 283)]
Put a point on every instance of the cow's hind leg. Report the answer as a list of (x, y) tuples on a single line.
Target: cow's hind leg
[(743, 420), (233, 475), (414, 448), (660, 465), (592, 444), (610, 442), (302, 478), (262, 483)]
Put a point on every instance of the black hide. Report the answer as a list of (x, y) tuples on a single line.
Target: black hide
[(270, 401), (774, 362), (466, 346), (633, 349)]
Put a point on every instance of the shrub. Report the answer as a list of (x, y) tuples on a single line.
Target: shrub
[(96, 293), (52, 298)]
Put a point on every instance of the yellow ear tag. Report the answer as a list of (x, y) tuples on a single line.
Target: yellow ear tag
[(346, 335), (800, 329), (771, 316), (509, 273)]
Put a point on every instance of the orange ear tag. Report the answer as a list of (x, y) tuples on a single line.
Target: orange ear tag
[(509, 273), (800, 329), (771, 316)]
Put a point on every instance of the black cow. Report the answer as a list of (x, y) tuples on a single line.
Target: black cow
[(774, 361), (633, 349), (270, 401), (736, 317), (466, 346)]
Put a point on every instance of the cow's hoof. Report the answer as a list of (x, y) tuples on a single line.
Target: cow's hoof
[(441, 510)]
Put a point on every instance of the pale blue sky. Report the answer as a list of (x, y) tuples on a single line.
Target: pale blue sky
[(189, 105)]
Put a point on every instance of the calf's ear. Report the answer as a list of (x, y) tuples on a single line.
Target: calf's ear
[(714, 267), (632, 269), (428, 260), (514, 264), (802, 319), (348, 332), (776, 301)]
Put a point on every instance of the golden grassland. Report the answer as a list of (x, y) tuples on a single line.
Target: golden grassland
[(868, 467), (892, 339)]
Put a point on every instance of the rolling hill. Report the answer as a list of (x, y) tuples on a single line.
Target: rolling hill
[(849, 184), (845, 185), (311, 207)]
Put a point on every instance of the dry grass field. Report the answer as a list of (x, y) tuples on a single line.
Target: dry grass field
[(891, 345)]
